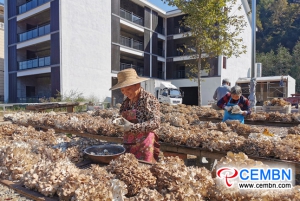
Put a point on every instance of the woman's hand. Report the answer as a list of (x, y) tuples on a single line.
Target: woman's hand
[(124, 127), (228, 108), (244, 113)]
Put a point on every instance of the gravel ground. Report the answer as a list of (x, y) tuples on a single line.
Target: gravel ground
[(9, 194)]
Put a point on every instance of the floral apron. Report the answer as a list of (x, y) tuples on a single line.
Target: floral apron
[(143, 145)]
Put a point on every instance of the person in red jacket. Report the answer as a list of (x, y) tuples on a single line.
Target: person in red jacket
[(231, 99)]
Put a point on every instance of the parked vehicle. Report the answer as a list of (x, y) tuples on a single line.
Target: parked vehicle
[(294, 100), (164, 91)]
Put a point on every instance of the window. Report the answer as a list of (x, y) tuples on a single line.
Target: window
[(224, 62), (180, 72)]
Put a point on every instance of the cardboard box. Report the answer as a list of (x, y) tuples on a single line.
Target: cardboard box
[(281, 109)]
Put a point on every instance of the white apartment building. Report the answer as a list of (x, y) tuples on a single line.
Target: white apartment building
[(70, 45)]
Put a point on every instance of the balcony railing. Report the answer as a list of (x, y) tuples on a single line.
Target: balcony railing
[(179, 74), (29, 99), (34, 63), (34, 33), (129, 42), (189, 50), (180, 29), (161, 52), (30, 5), (160, 30), (131, 17), (139, 70)]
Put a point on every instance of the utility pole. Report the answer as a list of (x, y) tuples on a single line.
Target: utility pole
[(252, 96)]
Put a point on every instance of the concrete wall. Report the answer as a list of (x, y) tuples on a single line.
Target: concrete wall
[(208, 87), (42, 86), (239, 67), (85, 29)]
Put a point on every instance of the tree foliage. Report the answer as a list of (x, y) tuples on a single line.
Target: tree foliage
[(215, 30), (278, 22), (281, 62)]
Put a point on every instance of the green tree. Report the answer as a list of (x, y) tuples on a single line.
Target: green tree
[(283, 60), (275, 64), (278, 23), (295, 69), (268, 60), (215, 30)]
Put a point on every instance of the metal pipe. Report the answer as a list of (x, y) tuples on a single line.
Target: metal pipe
[(252, 96), (253, 56)]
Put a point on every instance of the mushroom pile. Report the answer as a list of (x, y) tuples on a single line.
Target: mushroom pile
[(288, 148), (147, 194), (82, 122), (175, 181), (176, 130), (128, 170), (41, 161), (258, 144), (276, 102), (294, 130), (22, 147)]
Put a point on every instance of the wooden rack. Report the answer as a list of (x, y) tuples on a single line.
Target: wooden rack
[(20, 189), (250, 122), (45, 106), (165, 147)]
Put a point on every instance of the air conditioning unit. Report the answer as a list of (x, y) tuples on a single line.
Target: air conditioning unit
[(258, 69)]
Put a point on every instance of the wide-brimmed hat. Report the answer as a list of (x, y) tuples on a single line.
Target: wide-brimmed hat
[(126, 78)]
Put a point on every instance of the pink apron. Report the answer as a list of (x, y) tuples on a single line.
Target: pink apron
[(143, 145)]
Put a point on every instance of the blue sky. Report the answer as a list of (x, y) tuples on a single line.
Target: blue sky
[(160, 4), (2, 1)]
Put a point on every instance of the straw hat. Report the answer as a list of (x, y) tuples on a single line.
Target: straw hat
[(126, 78)]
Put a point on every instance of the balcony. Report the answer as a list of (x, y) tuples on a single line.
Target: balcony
[(178, 74), (160, 30), (180, 29), (160, 74), (30, 5), (139, 70), (185, 51), (131, 17), (161, 52), (34, 33), (130, 42), (34, 63)]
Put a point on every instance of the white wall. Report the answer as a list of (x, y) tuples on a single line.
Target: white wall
[(208, 87), (85, 33), (239, 67), (291, 89)]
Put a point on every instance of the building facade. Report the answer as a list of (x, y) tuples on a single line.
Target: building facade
[(68, 46)]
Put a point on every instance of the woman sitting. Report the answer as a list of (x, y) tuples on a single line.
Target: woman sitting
[(230, 101), (141, 112)]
